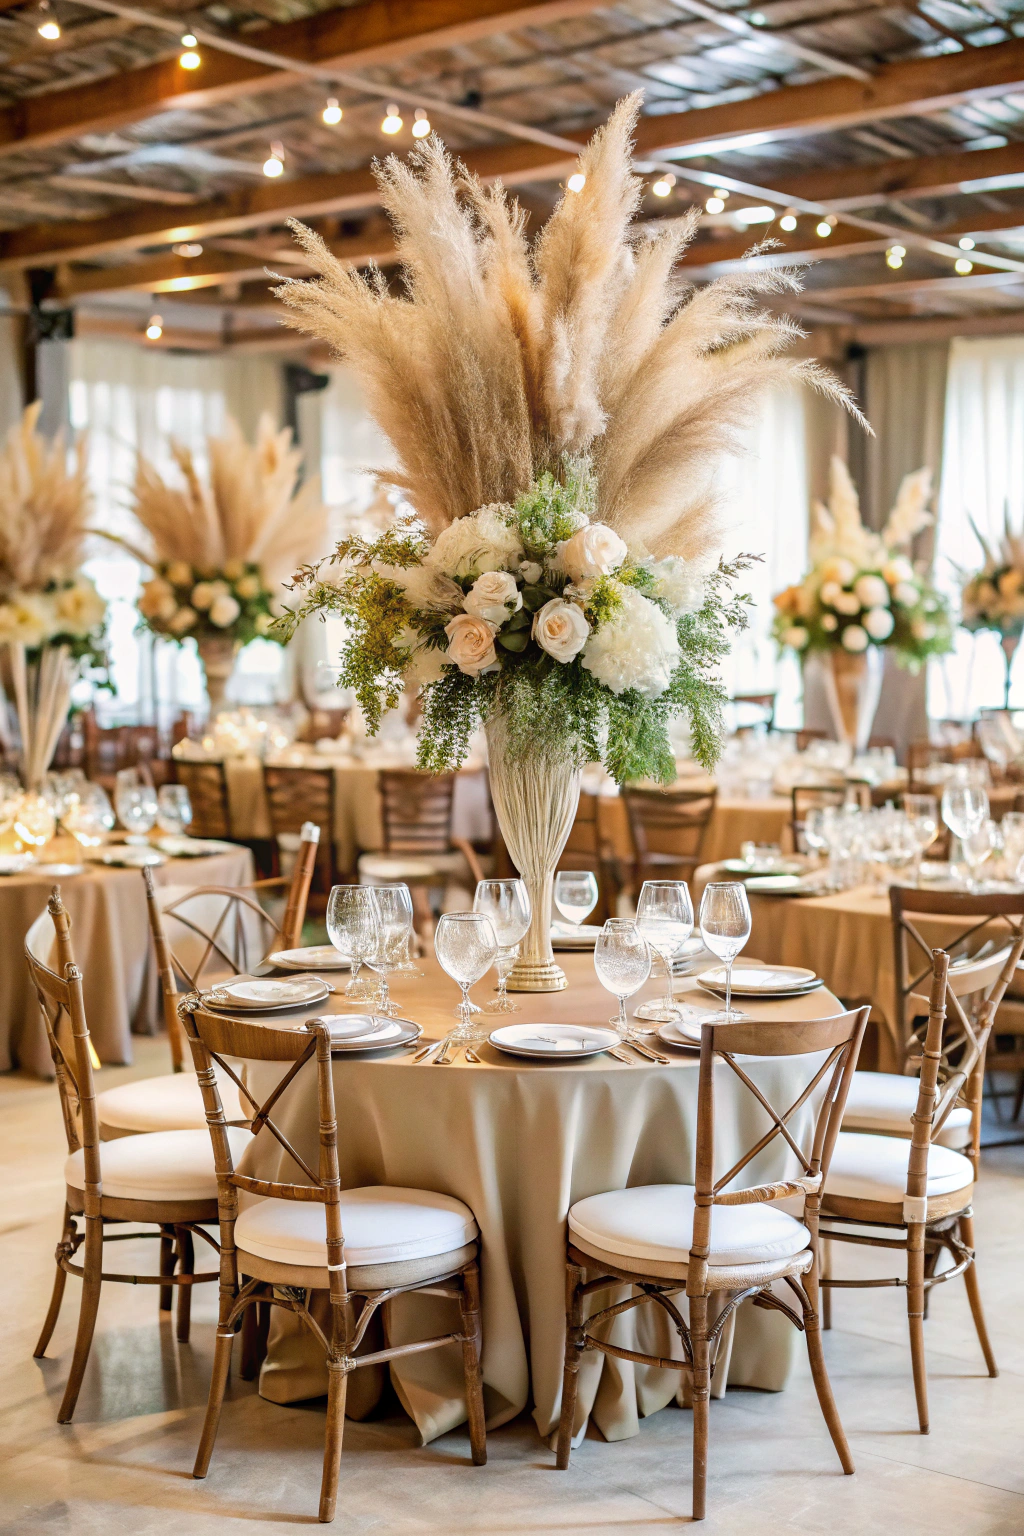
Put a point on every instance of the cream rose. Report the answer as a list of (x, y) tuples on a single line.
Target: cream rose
[(897, 570), (203, 594), (182, 621), (593, 551), (531, 571), (796, 637), (224, 610), (28, 619), (847, 603), (248, 586), (179, 573), (855, 638), (561, 629), (829, 622), (872, 592), (879, 623), (494, 596), (830, 591), (906, 592), (233, 569), (839, 570), (156, 600), (471, 644)]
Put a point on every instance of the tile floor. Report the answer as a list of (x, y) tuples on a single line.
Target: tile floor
[(123, 1465)]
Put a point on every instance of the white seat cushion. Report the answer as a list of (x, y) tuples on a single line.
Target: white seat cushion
[(166, 1165), (170, 1103), (381, 1226), (387, 867), (883, 1102), (655, 1222), (868, 1167)]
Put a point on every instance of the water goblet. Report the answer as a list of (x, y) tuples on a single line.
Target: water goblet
[(350, 928), (173, 808), (664, 915), (392, 923), (89, 815), (725, 929), (977, 846), (507, 904), (136, 803), (964, 808), (922, 813), (622, 960), (575, 894), (466, 946)]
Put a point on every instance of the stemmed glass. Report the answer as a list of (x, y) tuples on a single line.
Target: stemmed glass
[(965, 811), (725, 929), (664, 915), (136, 804), (466, 946), (922, 813), (507, 904), (88, 815), (815, 830), (173, 808), (575, 894), (622, 960), (392, 910), (351, 920)]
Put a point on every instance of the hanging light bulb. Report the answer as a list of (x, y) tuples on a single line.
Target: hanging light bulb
[(392, 122), (190, 58), (48, 25), (664, 184), (332, 112), (788, 222), (421, 126), (965, 243), (155, 328), (189, 249), (824, 229), (714, 205), (894, 256), (963, 266), (722, 193), (577, 181), (274, 163)]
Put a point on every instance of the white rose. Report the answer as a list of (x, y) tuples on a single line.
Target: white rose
[(233, 569), (203, 595), (182, 621), (156, 600), (484, 541), (248, 587), (179, 573), (593, 551), (28, 619), (678, 583), (830, 591), (839, 569), (897, 570), (829, 622), (561, 629), (494, 596), (906, 592), (636, 648), (879, 623), (471, 644), (847, 603), (531, 571), (224, 610), (855, 638), (872, 592), (797, 637)]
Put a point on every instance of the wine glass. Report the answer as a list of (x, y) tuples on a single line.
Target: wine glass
[(622, 960), (977, 846), (34, 821), (173, 808), (136, 803), (507, 904), (466, 946), (392, 909), (922, 813), (725, 929), (964, 808), (816, 830), (575, 894), (1012, 826), (10, 794), (664, 915), (350, 928), (89, 815)]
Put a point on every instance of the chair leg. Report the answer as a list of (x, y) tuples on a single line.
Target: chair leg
[(822, 1385), (573, 1354), (215, 1401), (469, 1303), (915, 1318), (92, 1266), (825, 1292), (59, 1281), (337, 1390), (701, 1395), (1018, 1098), (167, 1257), (250, 1362), (186, 1266), (974, 1297)]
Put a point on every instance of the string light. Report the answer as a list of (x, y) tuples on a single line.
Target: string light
[(48, 27), (714, 205), (155, 328), (894, 256), (190, 58), (190, 249), (965, 243), (332, 112), (963, 266), (274, 163), (577, 181), (392, 122), (722, 193), (421, 125), (758, 19), (788, 222), (824, 229), (664, 184)]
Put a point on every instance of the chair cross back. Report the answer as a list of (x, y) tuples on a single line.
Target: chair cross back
[(667, 827), (416, 810), (63, 1010), (208, 792)]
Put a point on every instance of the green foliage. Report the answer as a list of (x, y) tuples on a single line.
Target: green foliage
[(603, 601), (552, 510)]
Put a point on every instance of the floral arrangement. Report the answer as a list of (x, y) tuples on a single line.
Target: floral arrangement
[(222, 548), (993, 598), (861, 590), (558, 410)]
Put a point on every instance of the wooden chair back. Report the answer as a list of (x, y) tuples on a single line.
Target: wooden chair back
[(108, 749), (296, 796), (667, 828), (806, 735), (840, 1038), (323, 722), (207, 787), (67, 1033), (764, 701), (416, 810)]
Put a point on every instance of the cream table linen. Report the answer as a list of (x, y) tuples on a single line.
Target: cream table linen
[(519, 1142), (111, 940)]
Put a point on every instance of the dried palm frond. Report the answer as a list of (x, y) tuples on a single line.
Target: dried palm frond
[(496, 363), (910, 514), (248, 511), (44, 508)]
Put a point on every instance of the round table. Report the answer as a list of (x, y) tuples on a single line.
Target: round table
[(519, 1142), (111, 942)]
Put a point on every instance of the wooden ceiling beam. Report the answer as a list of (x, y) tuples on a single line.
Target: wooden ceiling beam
[(861, 186), (896, 291), (183, 275)]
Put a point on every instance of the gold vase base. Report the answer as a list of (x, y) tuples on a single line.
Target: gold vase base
[(536, 976)]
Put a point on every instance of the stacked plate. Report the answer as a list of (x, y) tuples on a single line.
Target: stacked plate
[(553, 1042), (264, 994), (194, 847), (123, 857), (314, 957), (568, 936), (754, 871), (761, 981), (370, 1032), (14, 863), (781, 885)]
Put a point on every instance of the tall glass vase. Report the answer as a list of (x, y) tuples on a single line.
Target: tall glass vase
[(535, 796), (853, 687), (217, 654)]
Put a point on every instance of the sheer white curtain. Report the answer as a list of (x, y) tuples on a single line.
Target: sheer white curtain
[(982, 475), (130, 400)]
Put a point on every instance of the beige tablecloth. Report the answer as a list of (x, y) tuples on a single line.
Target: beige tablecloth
[(519, 1142), (111, 941)]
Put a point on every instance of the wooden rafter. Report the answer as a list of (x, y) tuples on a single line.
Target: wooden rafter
[(858, 186)]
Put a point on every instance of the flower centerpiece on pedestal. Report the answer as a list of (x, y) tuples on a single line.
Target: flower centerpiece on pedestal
[(51, 616), (861, 597), (221, 547), (557, 412), (993, 598)]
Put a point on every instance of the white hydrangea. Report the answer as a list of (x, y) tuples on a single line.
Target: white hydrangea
[(481, 542), (425, 587), (678, 583), (636, 648)]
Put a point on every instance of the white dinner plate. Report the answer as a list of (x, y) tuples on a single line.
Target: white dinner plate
[(315, 957), (759, 978), (60, 871), (681, 1032), (127, 858), (263, 993), (370, 1032), (567, 936), (778, 885), (553, 1042), (780, 867), (14, 863), (194, 847)]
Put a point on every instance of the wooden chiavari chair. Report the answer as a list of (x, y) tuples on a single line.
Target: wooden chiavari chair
[(667, 828), (216, 928), (165, 1180), (915, 1197), (299, 795), (208, 791), (711, 1241), (292, 1240), (419, 847)]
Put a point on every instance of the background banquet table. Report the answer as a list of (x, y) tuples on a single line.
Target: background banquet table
[(736, 819), (519, 1142), (111, 941)]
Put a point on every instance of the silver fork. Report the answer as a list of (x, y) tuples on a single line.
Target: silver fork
[(645, 1050)]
